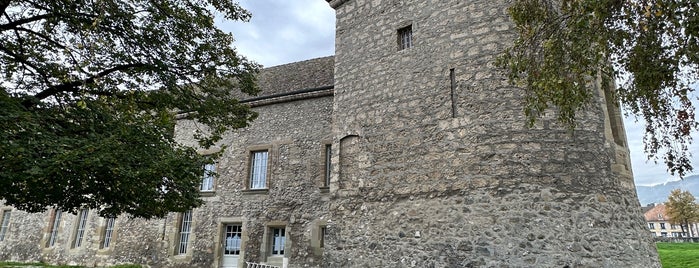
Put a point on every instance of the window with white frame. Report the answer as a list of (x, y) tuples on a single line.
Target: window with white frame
[(185, 230), (80, 228), (207, 183), (405, 37), (53, 227), (258, 169), (5, 224), (108, 232), (662, 225), (278, 240), (233, 240), (651, 225), (328, 165)]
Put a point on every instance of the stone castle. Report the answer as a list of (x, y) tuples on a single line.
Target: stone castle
[(405, 149)]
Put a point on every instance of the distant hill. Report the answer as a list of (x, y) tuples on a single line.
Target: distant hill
[(659, 193)]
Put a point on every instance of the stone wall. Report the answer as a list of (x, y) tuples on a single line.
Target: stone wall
[(432, 164), (435, 173), (294, 129)]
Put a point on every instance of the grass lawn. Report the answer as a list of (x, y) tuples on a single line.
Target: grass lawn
[(678, 255), (27, 265)]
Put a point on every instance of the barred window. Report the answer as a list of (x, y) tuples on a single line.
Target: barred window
[(53, 227), (108, 233), (5, 225), (80, 229), (185, 229), (405, 37), (258, 170)]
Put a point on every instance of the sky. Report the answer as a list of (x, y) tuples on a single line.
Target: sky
[(285, 31)]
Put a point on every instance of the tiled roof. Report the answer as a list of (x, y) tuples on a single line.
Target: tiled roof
[(652, 214)]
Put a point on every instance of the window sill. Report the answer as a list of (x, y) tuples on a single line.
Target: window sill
[(255, 191), (207, 193), (105, 251)]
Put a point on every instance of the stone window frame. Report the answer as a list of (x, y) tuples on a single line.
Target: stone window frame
[(404, 36), (267, 238), (662, 226), (218, 250), (53, 228), (318, 235), (251, 150), (651, 225), (108, 235), (5, 220), (80, 228)]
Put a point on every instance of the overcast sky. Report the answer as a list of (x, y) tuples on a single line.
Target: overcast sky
[(285, 31)]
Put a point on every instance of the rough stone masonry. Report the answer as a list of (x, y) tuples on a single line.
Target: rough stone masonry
[(406, 149)]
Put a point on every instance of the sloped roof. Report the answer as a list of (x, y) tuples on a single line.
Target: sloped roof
[(313, 73), (653, 213)]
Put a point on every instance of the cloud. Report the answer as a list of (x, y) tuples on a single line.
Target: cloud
[(284, 31)]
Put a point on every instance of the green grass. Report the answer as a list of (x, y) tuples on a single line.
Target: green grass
[(678, 255), (37, 264)]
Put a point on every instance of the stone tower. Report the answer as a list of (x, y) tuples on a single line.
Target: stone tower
[(434, 165)]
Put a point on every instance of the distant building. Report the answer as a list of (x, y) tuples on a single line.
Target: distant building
[(659, 223)]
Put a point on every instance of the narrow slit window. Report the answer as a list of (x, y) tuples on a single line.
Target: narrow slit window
[(405, 37), (328, 165)]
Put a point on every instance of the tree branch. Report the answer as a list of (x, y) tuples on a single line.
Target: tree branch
[(72, 86), (14, 24)]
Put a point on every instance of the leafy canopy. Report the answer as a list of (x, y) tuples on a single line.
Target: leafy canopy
[(89, 95), (682, 208), (652, 47)]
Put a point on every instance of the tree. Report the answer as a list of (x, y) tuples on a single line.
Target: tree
[(682, 209), (651, 47), (91, 92)]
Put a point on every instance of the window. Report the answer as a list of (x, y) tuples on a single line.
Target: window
[(662, 225), (663, 234), (80, 228), (405, 37), (5, 224), (53, 227), (323, 229), (185, 229), (651, 225), (233, 239), (278, 240), (258, 170), (328, 165), (108, 233), (207, 183)]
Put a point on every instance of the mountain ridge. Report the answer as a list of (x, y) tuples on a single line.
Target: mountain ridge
[(658, 193)]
